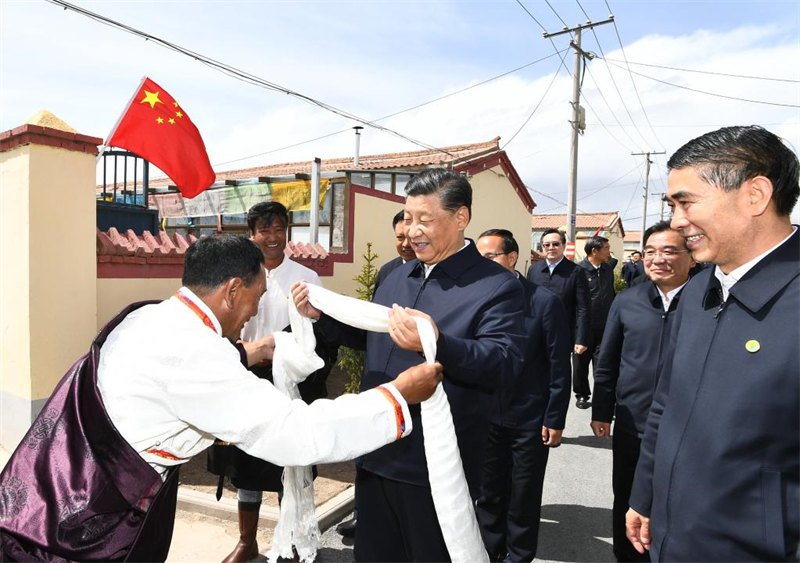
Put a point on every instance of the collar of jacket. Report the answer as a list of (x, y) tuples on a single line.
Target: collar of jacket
[(654, 296), (763, 281), (452, 266)]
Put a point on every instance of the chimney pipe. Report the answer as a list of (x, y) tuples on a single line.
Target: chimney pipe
[(358, 129)]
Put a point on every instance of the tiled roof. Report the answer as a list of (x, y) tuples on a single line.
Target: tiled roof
[(633, 236), (416, 159), (603, 220), (163, 246)]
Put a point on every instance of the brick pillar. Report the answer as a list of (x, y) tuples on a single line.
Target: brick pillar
[(48, 269)]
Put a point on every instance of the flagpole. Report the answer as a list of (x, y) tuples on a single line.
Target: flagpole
[(119, 120)]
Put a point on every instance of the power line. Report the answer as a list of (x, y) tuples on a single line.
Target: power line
[(713, 73), (712, 93), (240, 74), (633, 82), (481, 83), (611, 75), (536, 107)]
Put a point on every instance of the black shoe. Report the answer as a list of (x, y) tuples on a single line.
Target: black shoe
[(583, 403), (347, 529)]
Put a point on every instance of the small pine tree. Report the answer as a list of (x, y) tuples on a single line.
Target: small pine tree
[(351, 362)]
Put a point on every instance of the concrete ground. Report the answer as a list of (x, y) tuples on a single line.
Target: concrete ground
[(576, 510)]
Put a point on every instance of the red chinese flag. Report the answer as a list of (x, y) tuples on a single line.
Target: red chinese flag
[(156, 128)]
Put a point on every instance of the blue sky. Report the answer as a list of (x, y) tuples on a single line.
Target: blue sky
[(376, 58)]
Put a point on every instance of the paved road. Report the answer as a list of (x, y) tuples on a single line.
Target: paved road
[(576, 511)]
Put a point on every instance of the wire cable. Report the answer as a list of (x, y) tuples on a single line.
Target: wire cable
[(764, 102), (713, 73), (240, 74), (536, 107), (633, 82), (481, 83)]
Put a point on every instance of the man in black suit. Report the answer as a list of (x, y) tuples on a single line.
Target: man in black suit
[(598, 271), (562, 277), (635, 342), (403, 246), (474, 305), (405, 253), (527, 419), (718, 477), (633, 269)]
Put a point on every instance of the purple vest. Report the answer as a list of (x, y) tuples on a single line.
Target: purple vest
[(75, 490)]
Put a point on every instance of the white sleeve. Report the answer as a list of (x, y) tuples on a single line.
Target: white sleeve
[(214, 393)]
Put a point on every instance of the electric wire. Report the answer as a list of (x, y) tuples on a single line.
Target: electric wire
[(481, 83), (697, 90), (536, 107), (611, 75), (240, 74), (633, 82), (711, 72)]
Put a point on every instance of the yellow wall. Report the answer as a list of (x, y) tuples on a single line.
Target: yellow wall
[(48, 308), (115, 294), (373, 223), (15, 363), (496, 205)]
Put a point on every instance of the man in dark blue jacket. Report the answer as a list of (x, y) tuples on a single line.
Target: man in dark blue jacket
[(633, 269), (402, 244), (527, 419), (475, 307), (598, 271), (718, 477), (634, 342), (562, 277)]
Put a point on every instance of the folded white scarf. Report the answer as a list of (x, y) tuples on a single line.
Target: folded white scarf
[(451, 498)]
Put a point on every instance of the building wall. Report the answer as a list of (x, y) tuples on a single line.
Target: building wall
[(495, 205), (113, 294), (48, 306)]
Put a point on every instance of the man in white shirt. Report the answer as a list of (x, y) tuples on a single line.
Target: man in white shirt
[(268, 223), (718, 477), (88, 483)]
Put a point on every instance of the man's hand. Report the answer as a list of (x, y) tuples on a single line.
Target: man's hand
[(580, 349), (601, 429), (417, 383), (403, 327), (259, 352), (300, 296), (551, 437), (637, 528)]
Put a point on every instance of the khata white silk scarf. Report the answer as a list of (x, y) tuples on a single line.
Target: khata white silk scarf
[(451, 499)]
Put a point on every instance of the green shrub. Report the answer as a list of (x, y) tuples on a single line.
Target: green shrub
[(351, 362)]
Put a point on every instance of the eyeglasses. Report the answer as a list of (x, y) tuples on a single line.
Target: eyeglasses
[(667, 253), (493, 255), (549, 244)]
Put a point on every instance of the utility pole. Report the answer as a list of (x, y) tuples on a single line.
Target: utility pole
[(578, 120), (647, 163), (661, 214)]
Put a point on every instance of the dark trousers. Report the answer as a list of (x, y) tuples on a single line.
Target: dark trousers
[(396, 521), (625, 454), (580, 363), (510, 504)]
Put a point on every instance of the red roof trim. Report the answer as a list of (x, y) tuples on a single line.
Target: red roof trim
[(36, 134), (501, 159)]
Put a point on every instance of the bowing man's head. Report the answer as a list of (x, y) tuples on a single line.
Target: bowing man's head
[(227, 273)]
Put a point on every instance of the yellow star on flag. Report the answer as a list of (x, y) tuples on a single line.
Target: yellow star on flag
[(171, 121), (178, 114), (159, 120), (175, 103), (151, 98)]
